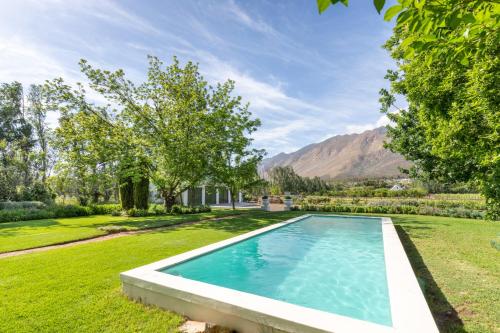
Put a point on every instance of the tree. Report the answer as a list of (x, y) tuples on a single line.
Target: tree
[(167, 129), (10, 133), (232, 162), (81, 140), (96, 148), (284, 179), (17, 147), (448, 65), (24, 134), (38, 106), (166, 116)]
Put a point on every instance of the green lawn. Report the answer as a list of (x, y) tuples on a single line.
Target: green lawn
[(78, 288), (35, 233)]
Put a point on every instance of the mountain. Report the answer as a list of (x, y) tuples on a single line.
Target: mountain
[(350, 156)]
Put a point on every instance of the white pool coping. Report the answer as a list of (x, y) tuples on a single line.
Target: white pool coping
[(409, 310)]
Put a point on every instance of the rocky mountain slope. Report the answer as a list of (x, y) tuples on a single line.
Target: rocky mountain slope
[(350, 156)]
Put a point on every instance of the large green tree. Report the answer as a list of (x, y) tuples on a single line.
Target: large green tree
[(448, 65), (180, 123), (167, 116), (233, 162)]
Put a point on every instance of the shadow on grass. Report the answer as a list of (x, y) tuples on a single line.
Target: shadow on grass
[(444, 314), (13, 228), (164, 220)]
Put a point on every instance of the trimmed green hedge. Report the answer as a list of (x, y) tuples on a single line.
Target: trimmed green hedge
[(402, 209), (55, 211), (160, 210), (375, 201)]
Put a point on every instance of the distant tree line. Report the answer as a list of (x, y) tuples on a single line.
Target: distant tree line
[(284, 179), (26, 159)]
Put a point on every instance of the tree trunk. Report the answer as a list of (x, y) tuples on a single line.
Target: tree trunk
[(95, 196), (232, 199), (141, 193), (107, 195), (127, 193), (169, 200)]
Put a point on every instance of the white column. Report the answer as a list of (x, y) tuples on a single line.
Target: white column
[(240, 197), (203, 195), (228, 196), (216, 196), (185, 196)]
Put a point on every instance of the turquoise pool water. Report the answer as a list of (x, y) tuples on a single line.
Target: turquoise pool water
[(333, 264)]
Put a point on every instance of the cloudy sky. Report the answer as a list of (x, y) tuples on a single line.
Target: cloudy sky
[(306, 76)]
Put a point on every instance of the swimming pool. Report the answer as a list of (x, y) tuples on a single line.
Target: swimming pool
[(315, 273)]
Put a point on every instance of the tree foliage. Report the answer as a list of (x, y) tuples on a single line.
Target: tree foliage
[(448, 65), (173, 128), (24, 154), (96, 150), (232, 162), (284, 179)]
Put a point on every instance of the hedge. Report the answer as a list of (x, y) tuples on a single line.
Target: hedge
[(402, 209), (55, 211)]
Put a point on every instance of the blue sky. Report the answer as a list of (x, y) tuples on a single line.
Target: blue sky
[(306, 76)]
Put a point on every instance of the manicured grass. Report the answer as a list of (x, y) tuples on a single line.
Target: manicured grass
[(28, 234), (459, 269), (78, 288)]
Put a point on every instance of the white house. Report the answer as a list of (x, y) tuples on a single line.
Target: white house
[(200, 195), (208, 195)]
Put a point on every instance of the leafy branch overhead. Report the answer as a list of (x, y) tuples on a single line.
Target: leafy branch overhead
[(454, 29), (448, 65)]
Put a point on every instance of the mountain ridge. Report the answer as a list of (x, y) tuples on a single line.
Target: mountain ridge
[(346, 156)]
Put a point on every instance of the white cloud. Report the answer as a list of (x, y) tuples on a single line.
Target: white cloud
[(382, 121), (255, 24), (112, 12), (285, 118), (23, 61)]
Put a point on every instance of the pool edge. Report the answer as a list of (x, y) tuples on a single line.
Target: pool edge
[(251, 313)]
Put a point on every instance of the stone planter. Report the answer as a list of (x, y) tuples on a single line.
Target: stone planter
[(265, 204), (288, 204)]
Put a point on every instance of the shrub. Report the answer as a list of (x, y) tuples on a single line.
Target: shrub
[(54, 211), (317, 200), (401, 209), (134, 212), (103, 209), (176, 209), (22, 205), (155, 209), (116, 212)]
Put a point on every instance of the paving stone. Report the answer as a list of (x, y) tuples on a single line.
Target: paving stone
[(192, 326)]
